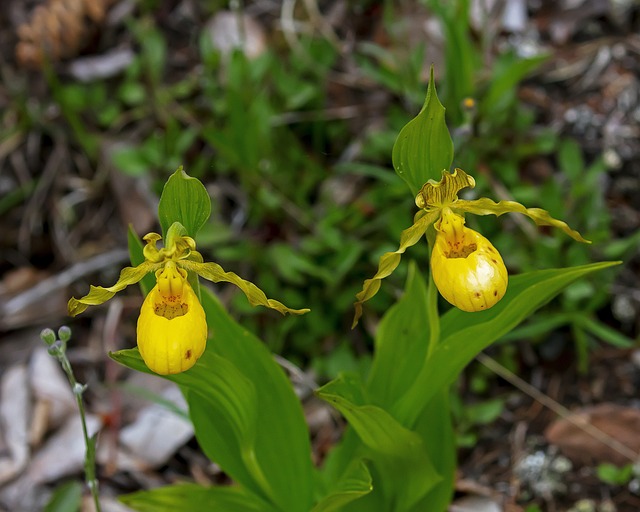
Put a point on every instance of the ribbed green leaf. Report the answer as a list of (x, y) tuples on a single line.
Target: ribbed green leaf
[(66, 498), (401, 343), (463, 335), (195, 498), (185, 200), (355, 483), (245, 413), (436, 429), (424, 147), (403, 470)]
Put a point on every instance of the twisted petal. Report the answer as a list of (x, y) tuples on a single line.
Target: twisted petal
[(171, 342), (444, 192), (485, 206), (215, 273), (390, 260), (98, 294)]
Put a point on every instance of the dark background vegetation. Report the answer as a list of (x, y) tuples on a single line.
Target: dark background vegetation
[(288, 118)]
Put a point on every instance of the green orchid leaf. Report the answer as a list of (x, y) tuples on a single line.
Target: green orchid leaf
[(402, 465), (66, 498), (193, 497), (98, 294), (435, 427), (246, 415), (463, 335), (185, 200), (215, 273), (485, 206), (353, 485), (401, 343), (224, 389), (389, 261), (424, 147)]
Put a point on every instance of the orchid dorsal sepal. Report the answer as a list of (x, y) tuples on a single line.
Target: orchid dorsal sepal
[(390, 260), (435, 195)]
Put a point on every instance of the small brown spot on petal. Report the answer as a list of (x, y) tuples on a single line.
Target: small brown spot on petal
[(478, 294), (187, 354), (495, 293)]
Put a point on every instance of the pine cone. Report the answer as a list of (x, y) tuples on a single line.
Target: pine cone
[(58, 30)]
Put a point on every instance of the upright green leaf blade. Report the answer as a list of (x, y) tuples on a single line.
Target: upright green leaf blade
[(436, 429), (261, 442), (401, 462), (463, 335), (355, 483), (185, 200), (192, 497), (424, 147), (66, 498), (401, 343)]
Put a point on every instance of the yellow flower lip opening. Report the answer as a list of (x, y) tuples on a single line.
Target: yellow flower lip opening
[(467, 270), (172, 327)]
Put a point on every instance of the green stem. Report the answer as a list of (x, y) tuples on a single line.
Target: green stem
[(433, 316), (90, 469)]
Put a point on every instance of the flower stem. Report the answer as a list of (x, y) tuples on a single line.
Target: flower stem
[(57, 348)]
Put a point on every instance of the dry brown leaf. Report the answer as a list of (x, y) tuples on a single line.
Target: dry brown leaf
[(619, 422)]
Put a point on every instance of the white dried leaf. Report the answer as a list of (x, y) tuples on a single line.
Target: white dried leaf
[(64, 453), (230, 31), (14, 421), (50, 385), (158, 432)]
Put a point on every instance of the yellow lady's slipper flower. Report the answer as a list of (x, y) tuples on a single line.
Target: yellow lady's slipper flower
[(172, 327), (466, 268)]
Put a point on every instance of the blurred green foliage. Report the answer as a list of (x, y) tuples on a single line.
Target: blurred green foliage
[(305, 199)]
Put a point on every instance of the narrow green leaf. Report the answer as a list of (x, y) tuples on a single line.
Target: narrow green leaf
[(66, 498), (215, 384), (401, 343), (424, 147), (184, 199), (604, 332), (137, 257), (464, 335), (257, 432), (401, 461), (192, 498), (355, 483), (509, 72), (435, 427)]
